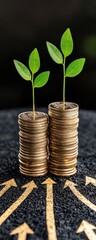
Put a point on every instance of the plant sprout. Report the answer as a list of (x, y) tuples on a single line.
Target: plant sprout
[(66, 45), (28, 74)]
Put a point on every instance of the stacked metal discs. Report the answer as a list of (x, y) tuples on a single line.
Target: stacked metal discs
[(63, 138), (33, 143)]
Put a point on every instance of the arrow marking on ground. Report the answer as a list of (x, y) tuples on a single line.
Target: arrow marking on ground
[(50, 220), (8, 184), (83, 199), (90, 180), (88, 229), (29, 187), (22, 231)]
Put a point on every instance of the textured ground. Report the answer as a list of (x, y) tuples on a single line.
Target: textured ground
[(69, 209)]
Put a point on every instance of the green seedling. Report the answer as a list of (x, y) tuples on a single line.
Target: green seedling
[(28, 73), (66, 45)]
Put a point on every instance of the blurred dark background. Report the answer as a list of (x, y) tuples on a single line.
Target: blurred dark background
[(26, 24)]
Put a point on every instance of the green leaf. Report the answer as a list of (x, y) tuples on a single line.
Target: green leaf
[(54, 53), (22, 70), (41, 79), (34, 61), (75, 67), (66, 43)]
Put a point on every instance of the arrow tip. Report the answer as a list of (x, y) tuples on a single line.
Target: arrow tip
[(24, 228), (90, 180), (85, 225), (87, 180), (10, 182), (69, 184), (49, 181), (30, 184)]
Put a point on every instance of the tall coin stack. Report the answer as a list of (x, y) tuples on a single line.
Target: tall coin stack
[(33, 143), (63, 138)]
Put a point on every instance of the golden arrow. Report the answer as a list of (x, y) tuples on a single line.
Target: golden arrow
[(50, 220), (29, 187), (8, 184), (22, 231), (88, 229), (80, 196), (90, 180)]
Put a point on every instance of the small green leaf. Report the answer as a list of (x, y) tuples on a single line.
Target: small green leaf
[(66, 43), (54, 53), (41, 79), (34, 61), (22, 70), (75, 67)]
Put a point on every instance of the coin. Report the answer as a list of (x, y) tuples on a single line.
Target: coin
[(63, 138), (33, 141)]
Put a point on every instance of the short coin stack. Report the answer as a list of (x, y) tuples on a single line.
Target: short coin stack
[(63, 138), (33, 143)]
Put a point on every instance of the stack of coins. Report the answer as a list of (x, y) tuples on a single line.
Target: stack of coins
[(33, 143), (63, 138)]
